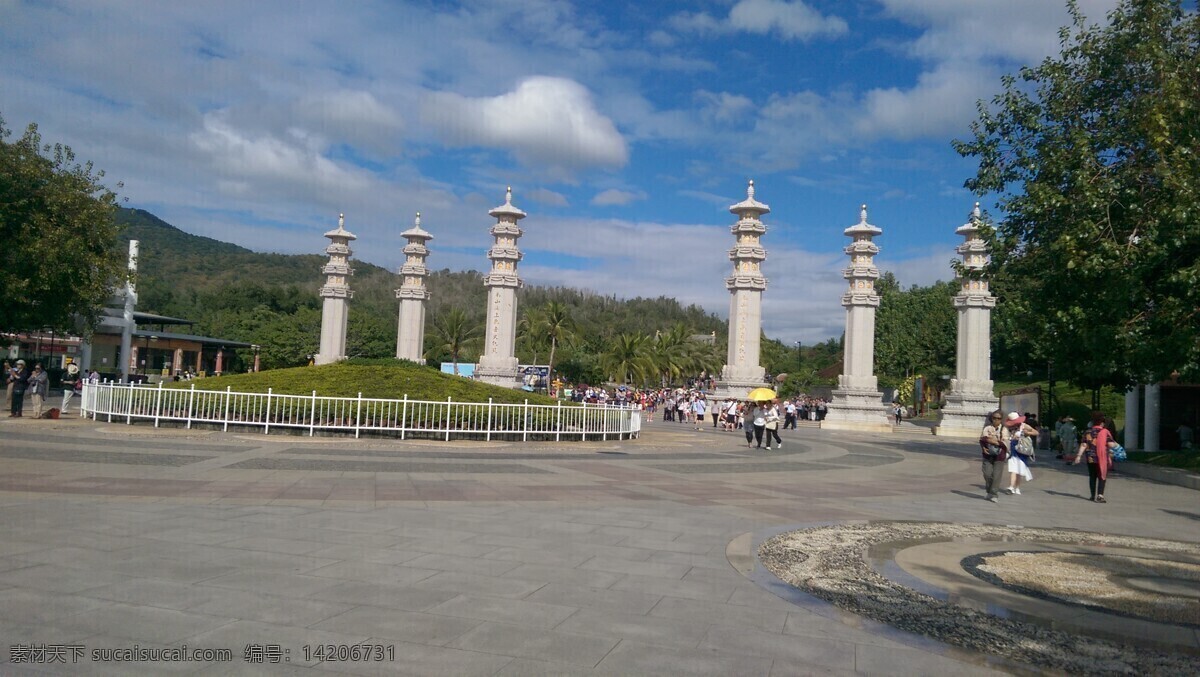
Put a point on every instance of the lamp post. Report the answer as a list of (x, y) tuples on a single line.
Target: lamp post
[(799, 357), (1050, 387)]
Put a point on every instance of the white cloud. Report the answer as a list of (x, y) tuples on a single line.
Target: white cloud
[(1023, 31), (792, 20), (612, 197), (544, 120), (296, 159), (547, 197), (789, 19), (724, 107), (941, 103), (920, 270), (354, 116)]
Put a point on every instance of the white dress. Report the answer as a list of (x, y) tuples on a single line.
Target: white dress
[(1016, 465)]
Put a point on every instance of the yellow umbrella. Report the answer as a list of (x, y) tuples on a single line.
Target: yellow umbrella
[(761, 394)]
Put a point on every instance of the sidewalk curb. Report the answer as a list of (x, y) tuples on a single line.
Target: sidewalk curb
[(1176, 476)]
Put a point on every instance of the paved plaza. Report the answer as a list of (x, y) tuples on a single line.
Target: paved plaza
[(473, 558)]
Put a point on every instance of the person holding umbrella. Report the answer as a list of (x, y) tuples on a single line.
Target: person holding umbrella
[(758, 416)]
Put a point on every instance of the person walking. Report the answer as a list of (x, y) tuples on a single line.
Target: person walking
[(8, 386), (39, 387), (18, 381), (995, 455), (758, 420), (772, 424), (71, 381), (698, 409), (1018, 436), (789, 415), (748, 423), (1093, 448)]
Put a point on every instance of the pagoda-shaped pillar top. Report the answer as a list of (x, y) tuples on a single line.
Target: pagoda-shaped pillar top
[(974, 252), (340, 232), (416, 233), (507, 209), (749, 207), (970, 229), (862, 230)]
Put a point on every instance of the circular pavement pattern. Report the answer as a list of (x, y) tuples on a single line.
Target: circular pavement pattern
[(916, 577), (1159, 590)]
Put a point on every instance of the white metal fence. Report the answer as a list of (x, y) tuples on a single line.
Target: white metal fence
[(361, 415)]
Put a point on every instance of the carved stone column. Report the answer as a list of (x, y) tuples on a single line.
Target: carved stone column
[(336, 295), (742, 371), (498, 364), (410, 332), (857, 403), (971, 397)]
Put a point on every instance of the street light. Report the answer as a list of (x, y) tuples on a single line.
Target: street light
[(799, 358)]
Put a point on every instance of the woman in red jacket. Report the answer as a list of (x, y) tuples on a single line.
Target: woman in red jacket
[(1093, 448)]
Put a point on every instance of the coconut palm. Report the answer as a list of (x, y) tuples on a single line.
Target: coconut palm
[(670, 353), (627, 359), (558, 326), (455, 333), (529, 332)]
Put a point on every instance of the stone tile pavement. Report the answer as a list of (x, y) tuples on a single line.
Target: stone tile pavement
[(605, 558)]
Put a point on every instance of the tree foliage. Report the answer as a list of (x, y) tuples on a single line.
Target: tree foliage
[(56, 221), (916, 330), (456, 336), (1095, 155)]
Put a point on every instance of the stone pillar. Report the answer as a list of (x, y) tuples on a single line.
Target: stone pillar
[(220, 367), (336, 295), (857, 403), (971, 395), (410, 333), (177, 361), (1153, 404), (742, 371), (498, 364), (128, 358), (1132, 422)]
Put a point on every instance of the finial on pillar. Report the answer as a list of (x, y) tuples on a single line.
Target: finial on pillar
[(508, 196), (418, 221), (975, 214), (862, 215), (750, 190), (341, 221)]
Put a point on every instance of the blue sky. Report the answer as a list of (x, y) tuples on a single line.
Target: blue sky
[(625, 129)]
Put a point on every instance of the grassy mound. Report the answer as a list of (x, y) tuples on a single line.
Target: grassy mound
[(1184, 460), (384, 379)]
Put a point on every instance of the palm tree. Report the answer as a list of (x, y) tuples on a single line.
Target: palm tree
[(670, 353), (627, 358), (529, 331), (558, 326), (455, 333)]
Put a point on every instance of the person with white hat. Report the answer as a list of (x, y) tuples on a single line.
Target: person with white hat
[(19, 380), (71, 380), (1018, 435)]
